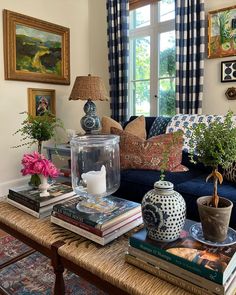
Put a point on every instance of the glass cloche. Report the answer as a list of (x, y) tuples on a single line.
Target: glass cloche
[(95, 170)]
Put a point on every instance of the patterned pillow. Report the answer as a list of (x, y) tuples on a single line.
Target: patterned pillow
[(230, 173), (183, 122), (137, 153), (136, 127), (159, 126)]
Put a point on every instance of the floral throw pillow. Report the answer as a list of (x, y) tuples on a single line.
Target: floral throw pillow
[(230, 173), (156, 153)]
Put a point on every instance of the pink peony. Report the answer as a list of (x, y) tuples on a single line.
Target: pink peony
[(36, 163)]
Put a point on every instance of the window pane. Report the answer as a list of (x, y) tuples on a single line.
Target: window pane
[(167, 54), (140, 17), (167, 10), (141, 97), (141, 58), (167, 97)]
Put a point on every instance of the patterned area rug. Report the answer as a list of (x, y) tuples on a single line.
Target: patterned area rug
[(33, 275), (11, 250)]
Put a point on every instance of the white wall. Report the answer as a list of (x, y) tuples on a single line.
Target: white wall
[(13, 94), (98, 48), (215, 101)]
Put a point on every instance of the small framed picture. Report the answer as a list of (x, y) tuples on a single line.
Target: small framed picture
[(41, 101), (228, 71)]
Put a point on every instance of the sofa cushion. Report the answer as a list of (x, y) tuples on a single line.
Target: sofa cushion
[(230, 173), (196, 187), (136, 126), (135, 183), (159, 126), (156, 153), (148, 122), (184, 122)]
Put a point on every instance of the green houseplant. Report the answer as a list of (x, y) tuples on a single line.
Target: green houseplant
[(36, 130), (215, 146)]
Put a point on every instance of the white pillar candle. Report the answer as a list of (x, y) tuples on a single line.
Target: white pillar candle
[(96, 181)]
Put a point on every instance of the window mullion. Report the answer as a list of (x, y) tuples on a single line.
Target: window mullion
[(153, 64)]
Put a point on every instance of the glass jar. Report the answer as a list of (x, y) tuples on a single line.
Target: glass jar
[(95, 167)]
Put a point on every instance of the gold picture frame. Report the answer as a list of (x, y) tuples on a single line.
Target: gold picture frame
[(222, 32), (35, 50), (41, 100)]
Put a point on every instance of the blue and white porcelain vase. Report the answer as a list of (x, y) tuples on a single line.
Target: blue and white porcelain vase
[(164, 212)]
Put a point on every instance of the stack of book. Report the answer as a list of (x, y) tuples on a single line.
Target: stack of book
[(101, 227), (187, 263), (27, 198)]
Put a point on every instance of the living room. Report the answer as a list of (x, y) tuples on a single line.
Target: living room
[(88, 54), (87, 22)]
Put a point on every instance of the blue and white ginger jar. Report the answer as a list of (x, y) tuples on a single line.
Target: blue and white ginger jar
[(164, 212)]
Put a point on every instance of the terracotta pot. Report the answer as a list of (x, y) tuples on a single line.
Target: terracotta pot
[(215, 221)]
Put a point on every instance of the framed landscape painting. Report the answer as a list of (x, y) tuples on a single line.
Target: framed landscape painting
[(41, 101), (222, 32), (35, 50)]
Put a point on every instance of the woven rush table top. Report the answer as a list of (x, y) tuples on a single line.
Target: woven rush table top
[(106, 262), (41, 231)]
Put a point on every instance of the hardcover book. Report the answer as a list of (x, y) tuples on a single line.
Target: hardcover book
[(92, 229), (29, 195), (103, 219), (213, 263), (169, 277), (41, 213), (89, 235), (181, 273)]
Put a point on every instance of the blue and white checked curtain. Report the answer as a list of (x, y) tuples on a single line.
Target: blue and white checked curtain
[(190, 50), (118, 43)]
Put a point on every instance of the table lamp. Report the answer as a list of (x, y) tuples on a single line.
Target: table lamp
[(89, 88)]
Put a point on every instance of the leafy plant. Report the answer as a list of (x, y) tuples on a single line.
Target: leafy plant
[(214, 145), (35, 130)]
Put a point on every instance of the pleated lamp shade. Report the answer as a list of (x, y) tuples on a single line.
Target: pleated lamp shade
[(88, 88)]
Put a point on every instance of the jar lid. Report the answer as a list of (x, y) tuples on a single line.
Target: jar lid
[(164, 185), (95, 140)]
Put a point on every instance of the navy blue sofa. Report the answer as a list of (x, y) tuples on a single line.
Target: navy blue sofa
[(191, 184)]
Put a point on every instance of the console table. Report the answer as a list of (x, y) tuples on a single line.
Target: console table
[(103, 266)]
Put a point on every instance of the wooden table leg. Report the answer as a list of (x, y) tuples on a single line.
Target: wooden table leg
[(59, 286)]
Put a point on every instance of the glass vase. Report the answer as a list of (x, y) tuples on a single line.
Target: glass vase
[(95, 170)]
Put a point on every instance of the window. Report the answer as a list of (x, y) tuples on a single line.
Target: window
[(152, 60)]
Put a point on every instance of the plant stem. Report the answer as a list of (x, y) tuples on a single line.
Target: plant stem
[(39, 147), (215, 199)]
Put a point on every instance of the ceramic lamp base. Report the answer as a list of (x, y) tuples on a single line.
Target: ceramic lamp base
[(90, 122)]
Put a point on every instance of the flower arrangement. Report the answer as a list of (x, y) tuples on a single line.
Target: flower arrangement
[(35, 164)]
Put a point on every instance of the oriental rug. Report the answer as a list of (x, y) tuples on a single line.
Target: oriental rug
[(33, 274)]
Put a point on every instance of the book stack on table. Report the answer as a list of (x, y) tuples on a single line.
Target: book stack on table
[(187, 263), (27, 198), (101, 227)]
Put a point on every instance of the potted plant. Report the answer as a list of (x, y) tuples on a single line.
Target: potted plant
[(36, 130), (215, 146)]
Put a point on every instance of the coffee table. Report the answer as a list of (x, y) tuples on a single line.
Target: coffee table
[(104, 266)]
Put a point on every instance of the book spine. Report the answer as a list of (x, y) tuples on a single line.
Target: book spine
[(78, 230), (78, 223), (166, 276), (23, 208), (24, 198), (188, 265), (23, 202), (67, 212), (177, 271)]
